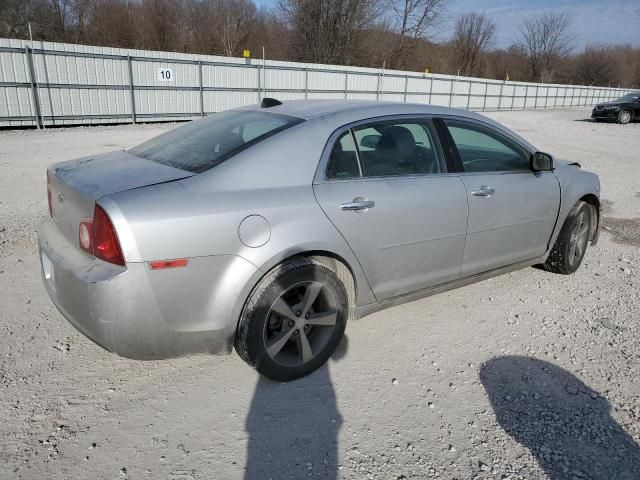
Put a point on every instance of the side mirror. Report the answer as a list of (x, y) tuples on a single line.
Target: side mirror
[(541, 162)]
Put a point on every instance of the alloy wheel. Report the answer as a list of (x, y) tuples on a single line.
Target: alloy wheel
[(579, 239), (300, 323)]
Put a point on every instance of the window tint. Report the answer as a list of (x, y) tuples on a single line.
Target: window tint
[(202, 144), (398, 148), (483, 150), (343, 162)]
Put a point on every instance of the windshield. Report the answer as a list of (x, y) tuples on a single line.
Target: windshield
[(205, 143), (628, 98)]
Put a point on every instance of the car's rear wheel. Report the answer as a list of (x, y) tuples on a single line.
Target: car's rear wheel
[(294, 320), (624, 117), (571, 245)]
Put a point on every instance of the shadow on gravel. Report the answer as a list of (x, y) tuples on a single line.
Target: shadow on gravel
[(293, 428), (623, 230), (565, 424)]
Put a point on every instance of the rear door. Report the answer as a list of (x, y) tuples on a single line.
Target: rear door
[(512, 210), (386, 187)]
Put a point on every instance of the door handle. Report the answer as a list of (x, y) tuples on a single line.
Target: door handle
[(357, 205), (484, 191)]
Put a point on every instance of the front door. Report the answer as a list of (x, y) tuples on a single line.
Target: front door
[(387, 190), (512, 210)]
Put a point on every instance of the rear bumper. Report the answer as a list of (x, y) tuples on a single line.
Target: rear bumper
[(143, 314)]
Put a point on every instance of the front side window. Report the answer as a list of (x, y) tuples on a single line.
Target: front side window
[(483, 150), (202, 144)]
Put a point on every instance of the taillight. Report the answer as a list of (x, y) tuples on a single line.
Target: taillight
[(105, 241), (49, 193), (98, 237)]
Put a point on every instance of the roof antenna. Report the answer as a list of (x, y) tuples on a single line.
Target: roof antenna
[(269, 102)]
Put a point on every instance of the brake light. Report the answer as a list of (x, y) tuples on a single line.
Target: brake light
[(98, 237), (105, 241), (49, 193)]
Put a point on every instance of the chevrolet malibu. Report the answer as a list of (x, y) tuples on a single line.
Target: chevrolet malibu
[(269, 227)]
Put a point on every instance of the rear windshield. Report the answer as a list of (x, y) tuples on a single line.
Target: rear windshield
[(202, 144)]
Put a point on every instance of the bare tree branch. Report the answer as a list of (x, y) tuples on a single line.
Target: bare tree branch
[(544, 39), (472, 38)]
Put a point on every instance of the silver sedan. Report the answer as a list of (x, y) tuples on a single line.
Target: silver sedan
[(267, 228)]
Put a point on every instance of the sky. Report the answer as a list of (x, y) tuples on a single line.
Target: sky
[(604, 21)]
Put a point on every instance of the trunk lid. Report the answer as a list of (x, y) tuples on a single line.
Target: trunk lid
[(77, 184)]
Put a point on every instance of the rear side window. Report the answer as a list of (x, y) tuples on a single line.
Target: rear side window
[(203, 144), (398, 148), (386, 149), (343, 161)]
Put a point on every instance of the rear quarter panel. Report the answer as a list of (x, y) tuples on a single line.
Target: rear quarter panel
[(201, 216)]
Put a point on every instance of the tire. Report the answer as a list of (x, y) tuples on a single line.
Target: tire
[(624, 117), (283, 335), (571, 245)]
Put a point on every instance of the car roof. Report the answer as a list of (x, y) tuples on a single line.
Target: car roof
[(309, 109), (342, 112)]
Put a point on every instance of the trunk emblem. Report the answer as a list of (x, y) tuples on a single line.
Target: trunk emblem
[(60, 198)]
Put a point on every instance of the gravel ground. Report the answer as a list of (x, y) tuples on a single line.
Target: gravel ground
[(526, 376)]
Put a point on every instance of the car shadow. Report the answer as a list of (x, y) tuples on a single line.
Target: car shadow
[(565, 424), (293, 427)]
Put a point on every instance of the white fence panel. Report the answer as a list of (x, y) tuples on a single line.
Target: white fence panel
[(44, 84)]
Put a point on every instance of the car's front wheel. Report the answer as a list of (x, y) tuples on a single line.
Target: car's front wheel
[(624, 117), (571, 245), (294, 320)]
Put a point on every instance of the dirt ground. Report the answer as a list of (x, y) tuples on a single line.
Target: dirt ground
[(526, 376)]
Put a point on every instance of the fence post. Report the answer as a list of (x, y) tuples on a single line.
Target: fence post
[(259, 82), (200, 85), (484, 101), (513, 96), (406, 87), (34, 91), (555, 98), (378, 87), (469, 94), (546, 98), (526, 95), (131, 90), (500, 96), (451, 91), (306, 82), (346, 83), (430, 88)]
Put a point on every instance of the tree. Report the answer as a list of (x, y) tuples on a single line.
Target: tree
[(324, 31), (113, 24), (595, 65), (544, 39), (473, 36), (236, 21), (413, 20), (159, 24)]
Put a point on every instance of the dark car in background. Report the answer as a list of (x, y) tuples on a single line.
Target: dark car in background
[(624, 109)]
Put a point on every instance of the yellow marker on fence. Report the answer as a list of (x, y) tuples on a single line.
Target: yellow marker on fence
[(246, 53)]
